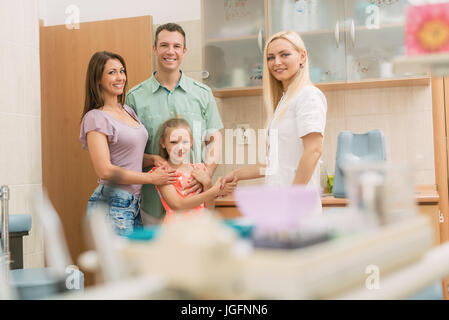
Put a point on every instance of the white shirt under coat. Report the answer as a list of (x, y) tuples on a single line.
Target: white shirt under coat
[(306, 113)]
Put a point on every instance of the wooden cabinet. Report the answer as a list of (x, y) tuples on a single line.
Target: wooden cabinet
[(440, 96)]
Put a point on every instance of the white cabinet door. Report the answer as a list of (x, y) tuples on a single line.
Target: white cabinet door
[(234, 32), (374, 36), (320, 23)]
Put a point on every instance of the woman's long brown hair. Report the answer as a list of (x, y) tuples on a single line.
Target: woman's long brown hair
[(94, 96)]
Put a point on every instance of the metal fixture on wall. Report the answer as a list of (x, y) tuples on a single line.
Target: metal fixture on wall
[(4, 199)]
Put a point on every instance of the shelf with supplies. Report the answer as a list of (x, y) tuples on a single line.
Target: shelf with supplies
[(436, 63), (332, 86), (228, 39), (357, 28)]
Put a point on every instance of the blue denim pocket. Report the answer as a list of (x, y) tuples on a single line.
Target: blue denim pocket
[(120, 202)]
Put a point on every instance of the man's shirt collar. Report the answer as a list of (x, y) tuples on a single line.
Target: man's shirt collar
[(155, 85)]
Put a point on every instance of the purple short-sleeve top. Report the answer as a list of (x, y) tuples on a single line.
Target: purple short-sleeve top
[(126, 143)]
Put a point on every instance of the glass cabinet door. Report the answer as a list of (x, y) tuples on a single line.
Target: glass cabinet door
[(320, 23), (374, 36), (234, 32)]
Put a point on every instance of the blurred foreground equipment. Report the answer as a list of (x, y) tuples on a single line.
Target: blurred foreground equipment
[(199, 259)]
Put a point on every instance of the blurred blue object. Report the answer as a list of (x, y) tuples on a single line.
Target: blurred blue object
[(356, 148), (144, 234), (42, 283), (433, 292), (149, 233), (244, 230), (19, 227), (18, 223)]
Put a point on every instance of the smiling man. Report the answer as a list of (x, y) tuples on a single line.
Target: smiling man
[(169, 93)]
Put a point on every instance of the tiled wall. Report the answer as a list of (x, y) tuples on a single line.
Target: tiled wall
[(404, 114), (20, 115), (234, 112)]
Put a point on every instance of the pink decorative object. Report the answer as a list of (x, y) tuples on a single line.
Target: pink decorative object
[(276, 208), (427, 29)]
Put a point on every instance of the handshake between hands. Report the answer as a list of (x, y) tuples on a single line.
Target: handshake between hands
[(222, 187)]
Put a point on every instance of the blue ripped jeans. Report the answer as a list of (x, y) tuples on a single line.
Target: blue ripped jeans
[(123, 208)]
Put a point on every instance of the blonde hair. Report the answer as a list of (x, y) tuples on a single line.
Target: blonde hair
[(171, 123), (272, 88)]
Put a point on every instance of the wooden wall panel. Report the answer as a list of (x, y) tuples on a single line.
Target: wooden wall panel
[(439, 110), (68, 175)]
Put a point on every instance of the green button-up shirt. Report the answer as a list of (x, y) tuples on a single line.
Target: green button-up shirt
[(153, 103)]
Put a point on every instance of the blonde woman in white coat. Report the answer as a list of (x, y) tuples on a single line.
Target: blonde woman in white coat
[(296, 112)]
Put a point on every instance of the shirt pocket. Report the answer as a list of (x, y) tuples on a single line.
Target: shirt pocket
[(198, 124), (194, 110)]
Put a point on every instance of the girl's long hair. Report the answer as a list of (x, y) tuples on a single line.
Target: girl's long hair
[(94, 98), (272, 88)]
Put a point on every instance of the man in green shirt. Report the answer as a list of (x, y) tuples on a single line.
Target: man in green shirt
[(171, 94)]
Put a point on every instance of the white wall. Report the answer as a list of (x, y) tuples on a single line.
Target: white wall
[(53, 12)]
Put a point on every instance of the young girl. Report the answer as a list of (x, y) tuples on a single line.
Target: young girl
[(175, 141)]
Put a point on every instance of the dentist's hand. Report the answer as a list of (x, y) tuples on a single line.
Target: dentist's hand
[(231, 177)]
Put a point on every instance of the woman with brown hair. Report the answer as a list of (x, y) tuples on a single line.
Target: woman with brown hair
[(116, 140)]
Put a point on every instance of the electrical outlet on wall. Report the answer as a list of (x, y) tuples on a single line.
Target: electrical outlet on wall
[(241, 133)]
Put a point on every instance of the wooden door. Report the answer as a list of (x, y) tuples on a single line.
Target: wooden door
[(68, 176)]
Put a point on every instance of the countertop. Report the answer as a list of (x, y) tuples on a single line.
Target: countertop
[(424, 195)]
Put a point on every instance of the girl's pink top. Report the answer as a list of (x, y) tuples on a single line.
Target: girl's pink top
[(181, 182)]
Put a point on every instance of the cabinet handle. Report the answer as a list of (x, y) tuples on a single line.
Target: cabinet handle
[(337, 34), (259, 41), (205, 74), (353, 32)]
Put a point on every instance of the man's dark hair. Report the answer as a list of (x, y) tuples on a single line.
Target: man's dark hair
[(172, 27)]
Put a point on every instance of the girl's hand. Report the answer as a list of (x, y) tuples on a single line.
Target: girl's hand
[(163, 175), (193, 187), (202, 176)]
